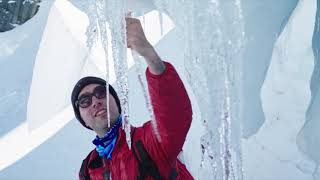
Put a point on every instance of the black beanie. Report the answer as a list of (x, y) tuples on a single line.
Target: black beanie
[(80, 85)]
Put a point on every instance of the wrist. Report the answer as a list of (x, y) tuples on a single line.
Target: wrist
[(149, 52), (155, 64), (151, 55)]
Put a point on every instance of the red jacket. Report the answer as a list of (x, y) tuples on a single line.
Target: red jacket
[(173, 112)]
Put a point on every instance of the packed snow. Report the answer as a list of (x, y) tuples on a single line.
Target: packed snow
[(250, 69)]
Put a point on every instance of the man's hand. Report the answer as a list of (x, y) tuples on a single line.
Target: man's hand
[(137, 41)]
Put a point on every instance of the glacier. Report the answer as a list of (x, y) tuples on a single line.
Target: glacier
[(42, 59)]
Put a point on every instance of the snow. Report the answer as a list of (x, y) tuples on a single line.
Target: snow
[(285, 97), (18, 50), (308, 138), (41, 60)]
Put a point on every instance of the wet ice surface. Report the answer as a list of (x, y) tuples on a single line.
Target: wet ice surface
[(271, 148), (213, 54)]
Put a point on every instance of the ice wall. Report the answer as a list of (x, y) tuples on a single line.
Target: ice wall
[(309, 138), (16, 12), (18, 50), (285, 96), (269, 153), (264, 21)]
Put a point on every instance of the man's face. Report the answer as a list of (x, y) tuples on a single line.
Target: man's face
[(95, 115)]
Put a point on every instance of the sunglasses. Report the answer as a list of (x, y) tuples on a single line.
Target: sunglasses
[(85, 100)]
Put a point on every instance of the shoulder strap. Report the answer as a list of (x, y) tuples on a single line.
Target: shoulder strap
[(146, 165)]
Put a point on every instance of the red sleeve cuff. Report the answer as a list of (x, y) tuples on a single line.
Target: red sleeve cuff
[(155, 76)]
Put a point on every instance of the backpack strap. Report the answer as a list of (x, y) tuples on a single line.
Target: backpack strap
[(173, 174), (146, 165)]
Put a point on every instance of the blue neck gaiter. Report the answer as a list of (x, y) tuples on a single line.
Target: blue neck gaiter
[(106, 144)]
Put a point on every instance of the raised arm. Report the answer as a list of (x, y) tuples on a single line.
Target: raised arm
[(169, 98), (172, 109)]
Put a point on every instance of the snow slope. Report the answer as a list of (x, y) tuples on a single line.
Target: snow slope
[(42, 59)]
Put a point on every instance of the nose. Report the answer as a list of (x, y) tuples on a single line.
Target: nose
[(96, 102)]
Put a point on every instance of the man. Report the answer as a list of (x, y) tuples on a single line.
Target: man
[(148, 157)]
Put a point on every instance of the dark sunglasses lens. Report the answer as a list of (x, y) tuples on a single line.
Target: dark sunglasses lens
[(99, 92), (84, 101)]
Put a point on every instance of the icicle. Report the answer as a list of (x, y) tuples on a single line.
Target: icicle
[(239, 77), (91, 33), (108, 100), (98, 28), (194, 65), (225, 136), (100, 7), (185, 21), (138, 69), (212, 53), (233, 90), (119, 51), (161, 22), (144, 22)]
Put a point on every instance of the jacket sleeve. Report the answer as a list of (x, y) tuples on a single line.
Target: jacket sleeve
[(172, 109)]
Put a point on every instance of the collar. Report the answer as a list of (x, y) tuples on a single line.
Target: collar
[(110, 135)]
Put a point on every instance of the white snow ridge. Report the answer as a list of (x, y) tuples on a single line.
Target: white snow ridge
[(251, 69)]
